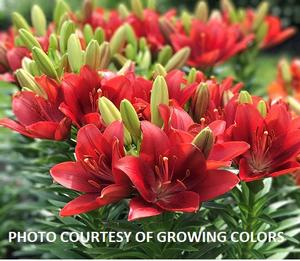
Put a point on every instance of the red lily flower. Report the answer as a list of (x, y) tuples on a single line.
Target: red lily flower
[(81, 92), (148, 27), (179, 90), (274, 141), (165, 172), (39, 117), (211, 43), (93, 172), (127, 86), (275, 34)]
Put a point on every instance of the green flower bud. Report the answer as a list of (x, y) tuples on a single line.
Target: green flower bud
[(19, 21), (88, 33), (192, 76), (151, 4), (38, 20), (159, 95), (262, 108), (110, 113), (44, 63), (3, 57), (99, 35), (63, 65), (123, 11), (200, 102), (216, 15), (179, 59), (285, 71), (204, 141), (53, 42), (146, 60), (118, 40), (75, 54), (67, 29), (186, 21), (61, 8), (87, 9), (137, 8), (159, 70), (165, 55), (119, 60), (260, 14), (105, 55), (130, 52), (26, 80), (130, 119), (245, 97), (143, 44), (28, 39), (166, 27), (261, 32), (294, 104), (227, 96), (92, 55), (131, 36), (201, 11), (127, 66)]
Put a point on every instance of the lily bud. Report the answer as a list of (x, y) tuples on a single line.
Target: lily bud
[(165, 54), (75, 54), (192, 76), (28, 39), (53, 42), (285, 71), (294, 104), (19, 21), (87, 9), (127, 66), (44, 63), (131, 36), (110, 113), (262, 108), (245, 97), (105, 55), (38, 20), (201, 11), (204, 141), (67, 29), (260, 14), (123, 11), (3, 58), (118, 40), (166, 27), (61, 8), (215, 14), (200, 102), (26, 80), (120, 60), (186, 21), (99, 35), (143, 44), (159, 70), (137, 8), (130, 119), (159, 95), (146, 60), (88, 33), (227, 96), (261, 32), (227, 6), (63, 65), (151, 4), (179, 59), (92, 55)]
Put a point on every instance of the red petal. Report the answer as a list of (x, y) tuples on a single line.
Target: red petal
[(140, 175), (43, 129), (155, 143), (216, 183), (82, 204), (8, 123), (113, 193), (185, 201), (228, 150), (141, 209), (73, 176)]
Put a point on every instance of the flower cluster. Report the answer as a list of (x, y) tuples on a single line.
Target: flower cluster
[(166, 139)]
